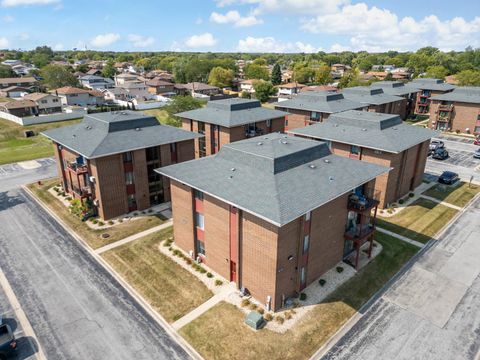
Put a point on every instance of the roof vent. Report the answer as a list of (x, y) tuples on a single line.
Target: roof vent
[(124, 113), (335, 125), (330, 178), (284, 142), (259, 143), (73, 135), (312, 166), (327, 161), (364, 129), (137, 129), (233, 169)]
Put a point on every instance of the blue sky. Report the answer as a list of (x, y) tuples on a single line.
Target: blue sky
[(240, 25)]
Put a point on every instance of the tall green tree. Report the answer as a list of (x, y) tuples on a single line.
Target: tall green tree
[(263, 90), (180, 104), (255, 71), (323, 75), (55, 76), (276, 75), (109, 69), (6, 72), (437, 72), (468, 78), (220, 77)]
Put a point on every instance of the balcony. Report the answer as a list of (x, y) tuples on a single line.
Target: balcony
[(252, 133), (83, 191), (361, 203), (77, 168), (360, 234), (446, 108)]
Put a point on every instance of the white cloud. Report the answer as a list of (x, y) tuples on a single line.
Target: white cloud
[(3, 43), (103, 40), (234, 17), (8, 19), (200, 41), (140, 41), (12, 3), (270, 44), (289, 6)]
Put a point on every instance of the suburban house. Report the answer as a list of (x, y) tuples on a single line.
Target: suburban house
[(380, 139), (319, 88), (247, 86), (94, 82), (428, 88), (14, 92), (136, 89), (117, 93), (375, 100), (201, 89), (340, 68), (46, 103), (289, 89), (243, 214), (398, 88), (27, 82), (158, 86), (80, 97), (108, 160), (94, 72), (125, 77), (20, 108), (229, 120), (458, 110), (312, 107)]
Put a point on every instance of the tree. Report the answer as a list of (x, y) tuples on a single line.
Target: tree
[(6, 71), (468, 78), (323, 75), (351, 78), (109, 70), (437, 72), (304, 74), (40, 60), (55, 76), (180, 104), (263, 90), (220, 77), (255, 71), (276, 75)]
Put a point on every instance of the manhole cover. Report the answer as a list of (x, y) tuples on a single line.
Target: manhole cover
[(105, 235)]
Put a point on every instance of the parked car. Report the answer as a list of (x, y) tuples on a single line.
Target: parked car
[(440, 154), (476, 154), (448, 177), (436, 144), (8, 344), (477, 141)]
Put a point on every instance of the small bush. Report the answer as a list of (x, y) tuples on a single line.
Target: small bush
[(322, 282), (268, 317), (150, 211), (95, 221), (91, 219), (390, 211), (381, 211), (120, 221), (110, 222), (288, 315), (245, 302), (143, 212), (170, 248), (68, 198), (135, 214), (293, 311), (339, 269), (209, 275), (303, 296), (202, 270), (279, 319), (101, 223), (261, 311), (188, 261), (401, 201), (253, 307), (218, 282), (394, 205), (166, 244), (411, 194)]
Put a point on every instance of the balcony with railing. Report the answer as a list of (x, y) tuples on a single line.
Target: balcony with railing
[(361, 203), (253, 132), (82, 192), (360, 234), (77, 168)]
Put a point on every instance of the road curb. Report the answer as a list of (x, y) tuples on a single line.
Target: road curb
[(127, 287)]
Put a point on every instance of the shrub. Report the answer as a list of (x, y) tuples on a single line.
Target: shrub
[(170, 248), (303, 296), (143, 212), (293, 311), (268, 317), (91, 219), (135, 214), (202, 270), (457, 131), (218, 282), (394, 205), (339, 269), (390, 211), (120, 221), (150, 211), (381, 211), (253, 307), (110, 222), (245, 302), (188, 261), (261, 311), (166, 243), (401, 201), (288, 315), (322, 282), (101, 223), (279, 319), (411, 194), (95, 221), (209, 275)]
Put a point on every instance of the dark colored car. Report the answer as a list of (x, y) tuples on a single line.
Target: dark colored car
[(8, 344), (448, 177), (440, 154), (436, 144)]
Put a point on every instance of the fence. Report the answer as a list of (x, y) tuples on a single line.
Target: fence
[(41, 119)]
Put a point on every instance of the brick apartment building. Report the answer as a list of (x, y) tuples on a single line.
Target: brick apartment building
[(243, 213), (458, 110), (380, 139), (398, 88), (229, 120), (315, 106), (376, 100), (428, 88), (108, 160)]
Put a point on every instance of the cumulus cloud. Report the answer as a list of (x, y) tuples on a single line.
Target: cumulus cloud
[(234, 17), (289, 6), (140, 41), (103, 40), (12, 3), (200, 41), (3, 43), (270, 44)]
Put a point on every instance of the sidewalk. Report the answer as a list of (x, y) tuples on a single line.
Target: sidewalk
[(441, 202), (400, 237)]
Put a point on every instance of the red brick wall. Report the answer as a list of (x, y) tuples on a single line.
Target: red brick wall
[(183, 222), (464, 116)]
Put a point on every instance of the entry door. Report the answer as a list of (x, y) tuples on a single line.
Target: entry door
[(303, 278), (233, 271)]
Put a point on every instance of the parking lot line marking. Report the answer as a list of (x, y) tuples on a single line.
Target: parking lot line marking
[(20, 315)]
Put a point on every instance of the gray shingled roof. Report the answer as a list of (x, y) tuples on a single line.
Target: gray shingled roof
[(431, 84), (232, 112), (470, 94), (109, 133), (275, 177), (385, 132), (320, 101), (397, 88), (369, 95)]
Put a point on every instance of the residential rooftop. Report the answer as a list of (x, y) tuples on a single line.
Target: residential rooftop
[(431, 84), (109, 133), (320, 101), (384, 132), (20, 80), (397, 88), (467, 94), (261, 176), (232, 112), (369, 95)]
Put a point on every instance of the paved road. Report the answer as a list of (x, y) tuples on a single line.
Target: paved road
[(14, 175), (77, 310), (433, 311)]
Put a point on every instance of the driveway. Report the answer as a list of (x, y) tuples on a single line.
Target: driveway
[(432, 311), (14, 175), (76, 309)]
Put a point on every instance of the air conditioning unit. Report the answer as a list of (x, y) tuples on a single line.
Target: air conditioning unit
[(92, 179), (96, 202)]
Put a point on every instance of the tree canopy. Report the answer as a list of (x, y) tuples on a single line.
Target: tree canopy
[(263, 90), (256, 71), (55, 76), (276, 75), (220, 77)]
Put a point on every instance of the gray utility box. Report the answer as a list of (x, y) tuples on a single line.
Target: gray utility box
[(254, 320)]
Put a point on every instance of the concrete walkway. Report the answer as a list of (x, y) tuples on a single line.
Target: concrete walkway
[(207, 305), (400, 237), (441, 202), (134, 237)]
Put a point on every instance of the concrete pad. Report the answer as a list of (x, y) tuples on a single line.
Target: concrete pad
[(427, 294), (434, 260), (29, 165)]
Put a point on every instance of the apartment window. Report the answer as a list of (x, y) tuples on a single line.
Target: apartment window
[(128, 156), (153, 153), (269, 123), (55, 100), (303, 276), (315, 116), (198, 194), (426, 93), (308, 215), (306, 243), (43, 101), (131, 200), (129, 178), (286, 122), (199, 221), (355, 150), (201, 127)]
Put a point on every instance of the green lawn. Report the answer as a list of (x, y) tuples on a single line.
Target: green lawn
[(170, 289), (458, 195), (416, 118), (221, 334), (160, 114), (419, 221), (15, 147), (92, 237)]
